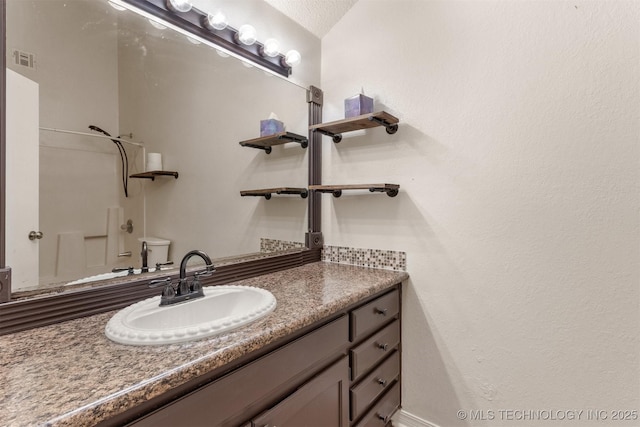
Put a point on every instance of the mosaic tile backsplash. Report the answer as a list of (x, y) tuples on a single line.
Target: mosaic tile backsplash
[(273, 245), (376, 258)]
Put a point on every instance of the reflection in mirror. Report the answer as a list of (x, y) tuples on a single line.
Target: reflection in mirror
[(80, 63)]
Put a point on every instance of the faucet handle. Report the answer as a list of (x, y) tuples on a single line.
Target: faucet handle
[(196, 286), (119, 269), (204, 273), (162, 264), (166, 281), (208, 271), (168, 292)]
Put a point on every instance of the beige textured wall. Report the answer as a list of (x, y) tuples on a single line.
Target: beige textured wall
[(517, 157)]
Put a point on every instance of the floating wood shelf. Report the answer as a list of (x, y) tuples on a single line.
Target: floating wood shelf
[(152, 174), (266, 142), (267, 192), (336, 190), (365, 121)]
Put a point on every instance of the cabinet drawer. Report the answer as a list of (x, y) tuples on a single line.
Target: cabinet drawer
[(374, 385), (255, 384), (380, 415), (370, 352), (373, 315)]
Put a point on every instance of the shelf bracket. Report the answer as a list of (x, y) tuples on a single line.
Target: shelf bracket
[(259, 147), (391, 192), (304, 142), (152, 175), (266, 193), (335, 136), (390, 189), (266, 142), (303, 193), (389, 127)]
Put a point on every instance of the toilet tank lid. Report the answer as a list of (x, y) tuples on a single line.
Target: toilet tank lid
[(154, 241)]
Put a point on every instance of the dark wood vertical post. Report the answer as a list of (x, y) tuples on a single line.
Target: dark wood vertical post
[(5, 272), (313, 238)]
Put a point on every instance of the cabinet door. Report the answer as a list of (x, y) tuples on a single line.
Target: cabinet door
[(255, 386), (321, 402)]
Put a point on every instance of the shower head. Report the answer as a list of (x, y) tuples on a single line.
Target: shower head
[(97, 129), (123, 157)]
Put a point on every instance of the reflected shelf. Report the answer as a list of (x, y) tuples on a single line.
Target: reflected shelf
[(267, 192), (152, 174), (337, 128), (266, 142), (336, 190)]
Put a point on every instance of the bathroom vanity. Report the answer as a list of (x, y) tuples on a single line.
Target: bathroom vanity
[(333, 340)]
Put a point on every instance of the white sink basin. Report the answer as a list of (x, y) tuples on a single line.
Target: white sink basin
[(222, 309), (103, 276)]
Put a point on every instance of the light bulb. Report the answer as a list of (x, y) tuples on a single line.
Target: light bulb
[(270, 47), (216, 21), (179, 5), (116, 6), (222, 54), (157, 24), (192, 40), (247, 35), (292, 58)]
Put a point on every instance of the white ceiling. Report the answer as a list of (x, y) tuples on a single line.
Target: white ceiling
[(317, 16)]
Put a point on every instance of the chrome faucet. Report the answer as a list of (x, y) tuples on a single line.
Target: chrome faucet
[(144, 253), (187, 257), (184, 290)]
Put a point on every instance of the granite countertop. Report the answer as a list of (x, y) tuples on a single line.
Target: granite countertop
[(70, 374)]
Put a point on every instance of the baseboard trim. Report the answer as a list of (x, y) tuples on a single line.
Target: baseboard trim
[(403, 418)]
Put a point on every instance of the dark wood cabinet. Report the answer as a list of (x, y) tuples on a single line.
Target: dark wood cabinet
[(371, 316), (380, 414), (375, 384), (375, 361), (321, 402), (374, 349), (226, 401), (344, 372)]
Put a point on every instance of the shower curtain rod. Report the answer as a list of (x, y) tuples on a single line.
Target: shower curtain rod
[(137, 144)]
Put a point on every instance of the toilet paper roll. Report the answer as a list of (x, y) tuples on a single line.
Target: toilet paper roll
[(154, 162)]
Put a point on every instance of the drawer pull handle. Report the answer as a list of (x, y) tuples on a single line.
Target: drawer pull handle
[(381, 311), (383, 347), (382, 418), (381, 381)]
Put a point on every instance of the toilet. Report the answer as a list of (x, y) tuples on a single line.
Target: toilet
[(157, 250)]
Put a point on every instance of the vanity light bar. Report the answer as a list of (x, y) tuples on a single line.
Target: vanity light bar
[(192, 24)]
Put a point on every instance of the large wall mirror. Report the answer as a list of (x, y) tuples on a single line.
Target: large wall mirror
[(76, 64)]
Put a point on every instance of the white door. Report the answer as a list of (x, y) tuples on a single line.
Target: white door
[(22, 181)]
